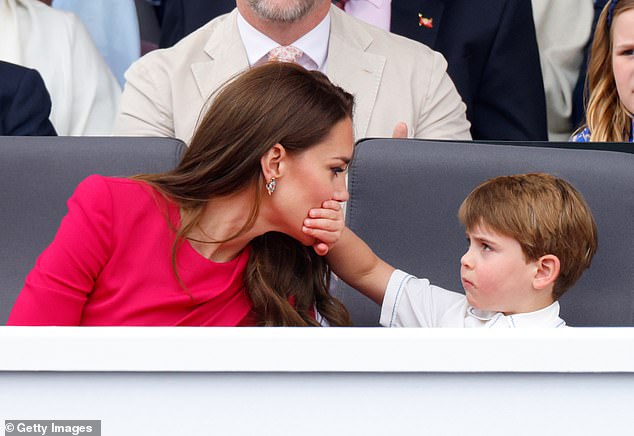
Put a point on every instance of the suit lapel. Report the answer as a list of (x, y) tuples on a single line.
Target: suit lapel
[(227, 57), (353, 68), (406, 12)]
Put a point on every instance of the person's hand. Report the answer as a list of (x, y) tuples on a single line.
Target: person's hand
[(325, 224), (400, 130)]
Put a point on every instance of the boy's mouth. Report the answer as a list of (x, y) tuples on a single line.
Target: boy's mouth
[(467, 284)]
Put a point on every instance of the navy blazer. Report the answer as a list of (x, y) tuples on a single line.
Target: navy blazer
[(491, 49), (25, 104), (179, 18)]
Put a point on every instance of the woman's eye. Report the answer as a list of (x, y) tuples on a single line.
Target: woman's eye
[(338, 170)]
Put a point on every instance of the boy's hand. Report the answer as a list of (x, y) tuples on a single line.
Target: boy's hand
[(325, 224)]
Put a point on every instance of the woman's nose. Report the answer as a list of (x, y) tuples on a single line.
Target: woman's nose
[(341, 192)]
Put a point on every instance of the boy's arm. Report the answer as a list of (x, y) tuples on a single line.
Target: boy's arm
[(356, 264), (349, 257)]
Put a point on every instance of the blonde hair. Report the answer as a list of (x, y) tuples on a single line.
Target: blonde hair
[(545, 214), (606, 117)]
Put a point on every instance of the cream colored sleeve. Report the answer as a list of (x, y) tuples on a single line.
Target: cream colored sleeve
[(563, 28), (94, 90), (146, 107), (444, 113)]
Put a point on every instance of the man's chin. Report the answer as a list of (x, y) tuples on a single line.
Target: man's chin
[(267, 11)]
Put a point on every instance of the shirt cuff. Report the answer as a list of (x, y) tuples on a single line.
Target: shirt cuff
[(393, 292)]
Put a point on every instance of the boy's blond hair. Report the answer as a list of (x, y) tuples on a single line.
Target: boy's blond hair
[(545, 214)]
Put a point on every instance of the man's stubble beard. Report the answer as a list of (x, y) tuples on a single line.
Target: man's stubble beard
[(271, 11)]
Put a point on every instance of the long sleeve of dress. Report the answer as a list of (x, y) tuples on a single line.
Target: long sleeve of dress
[(57, 288)]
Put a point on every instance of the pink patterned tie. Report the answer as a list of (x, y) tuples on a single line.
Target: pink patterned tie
[(285, 53)]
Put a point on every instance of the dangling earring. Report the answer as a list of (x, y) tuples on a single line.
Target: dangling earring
[(271, 185)]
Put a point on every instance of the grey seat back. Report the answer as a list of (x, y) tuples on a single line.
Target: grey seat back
[(405, 194), (38, 175)]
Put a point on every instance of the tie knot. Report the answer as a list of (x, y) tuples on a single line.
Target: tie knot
[(285, 53)]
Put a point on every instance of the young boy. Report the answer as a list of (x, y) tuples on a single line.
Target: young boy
[(530, 237)]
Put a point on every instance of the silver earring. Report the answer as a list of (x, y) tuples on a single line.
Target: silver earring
[(271, 185)]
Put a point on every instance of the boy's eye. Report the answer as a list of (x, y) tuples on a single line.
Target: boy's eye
[(486, 247)]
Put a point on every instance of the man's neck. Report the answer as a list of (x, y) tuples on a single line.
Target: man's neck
[(285, 33)]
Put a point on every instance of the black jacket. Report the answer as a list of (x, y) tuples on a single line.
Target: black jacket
[(25, 104), (491, 49)]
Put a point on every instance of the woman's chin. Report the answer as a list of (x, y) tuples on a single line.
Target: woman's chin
[(307, 241)]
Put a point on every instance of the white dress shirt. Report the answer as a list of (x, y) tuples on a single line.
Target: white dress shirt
[(413, 302), (375, 12), (314, 44)]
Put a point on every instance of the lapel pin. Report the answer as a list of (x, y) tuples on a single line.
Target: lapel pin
[(425, 22)]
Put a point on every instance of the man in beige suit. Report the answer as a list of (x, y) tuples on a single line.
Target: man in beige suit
[(401, 86)]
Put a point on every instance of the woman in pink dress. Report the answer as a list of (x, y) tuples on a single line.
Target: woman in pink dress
[(234, 235)]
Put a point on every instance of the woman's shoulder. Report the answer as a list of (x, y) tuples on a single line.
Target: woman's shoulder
[(97, 182), (582, 136), (120, 189), (122, 199)]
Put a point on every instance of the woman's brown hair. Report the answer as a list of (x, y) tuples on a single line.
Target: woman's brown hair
[(606, 117), (276, 103)]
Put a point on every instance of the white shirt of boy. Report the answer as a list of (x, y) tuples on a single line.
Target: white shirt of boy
[(414, 302)]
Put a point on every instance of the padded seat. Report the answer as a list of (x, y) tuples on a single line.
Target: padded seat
[(404, 199), (38, 175)]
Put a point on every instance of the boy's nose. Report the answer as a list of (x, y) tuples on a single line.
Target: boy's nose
[(465, 260)]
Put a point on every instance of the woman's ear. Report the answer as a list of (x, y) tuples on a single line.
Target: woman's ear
[(272, 162), (548, 267)]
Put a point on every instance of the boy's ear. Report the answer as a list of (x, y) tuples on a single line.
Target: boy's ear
[(272, 162), (548, 267)]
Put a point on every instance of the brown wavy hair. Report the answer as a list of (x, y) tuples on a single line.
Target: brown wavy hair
[(606, 117), (276, 103), (544, 213)]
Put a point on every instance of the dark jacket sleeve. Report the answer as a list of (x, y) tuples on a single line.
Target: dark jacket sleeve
[(510, 101), (25, 104), (493, 59), (182, 17)]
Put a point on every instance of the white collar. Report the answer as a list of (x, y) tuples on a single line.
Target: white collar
[(546, 317), (314, 44), (376, 3)]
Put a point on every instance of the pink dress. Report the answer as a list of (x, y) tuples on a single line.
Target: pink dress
[(110, 264)]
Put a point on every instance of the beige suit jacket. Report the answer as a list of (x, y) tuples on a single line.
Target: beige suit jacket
[(392, 78), (563, 28)]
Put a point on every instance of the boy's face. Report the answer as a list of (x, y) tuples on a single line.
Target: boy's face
[(495, 274)]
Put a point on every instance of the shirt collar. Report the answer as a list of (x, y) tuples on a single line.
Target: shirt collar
[(314, 44), (546, 317), (375, 3)]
